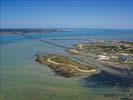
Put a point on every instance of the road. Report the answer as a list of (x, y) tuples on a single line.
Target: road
[(75, 67), (108, 68)]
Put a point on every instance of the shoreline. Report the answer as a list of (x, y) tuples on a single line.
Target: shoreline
[(66, 67)]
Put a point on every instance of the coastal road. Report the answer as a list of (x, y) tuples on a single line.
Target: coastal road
[(107, 68)]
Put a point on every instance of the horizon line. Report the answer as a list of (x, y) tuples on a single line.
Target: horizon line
[(62, 28)]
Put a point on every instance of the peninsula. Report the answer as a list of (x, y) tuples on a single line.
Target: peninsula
[(66, 66)]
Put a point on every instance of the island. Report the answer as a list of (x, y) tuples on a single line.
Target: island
[(66, 66), (30, 30)]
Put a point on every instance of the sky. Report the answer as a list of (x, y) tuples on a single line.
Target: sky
[(66, 14)]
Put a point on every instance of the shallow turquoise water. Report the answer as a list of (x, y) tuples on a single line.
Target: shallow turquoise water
[(24, 79)]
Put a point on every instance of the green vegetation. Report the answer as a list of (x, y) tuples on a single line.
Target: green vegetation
[(66, 66), (115, 52)]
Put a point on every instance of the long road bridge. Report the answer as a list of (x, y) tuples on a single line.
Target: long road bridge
[(46, 41)]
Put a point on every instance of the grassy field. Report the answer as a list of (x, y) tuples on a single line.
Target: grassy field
[(66, 66)]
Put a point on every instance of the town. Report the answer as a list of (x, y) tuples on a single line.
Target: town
[(113, 52)]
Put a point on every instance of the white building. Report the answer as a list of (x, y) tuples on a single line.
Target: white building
[(102, 57)]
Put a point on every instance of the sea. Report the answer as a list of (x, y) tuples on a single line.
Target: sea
[(22, 78)]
